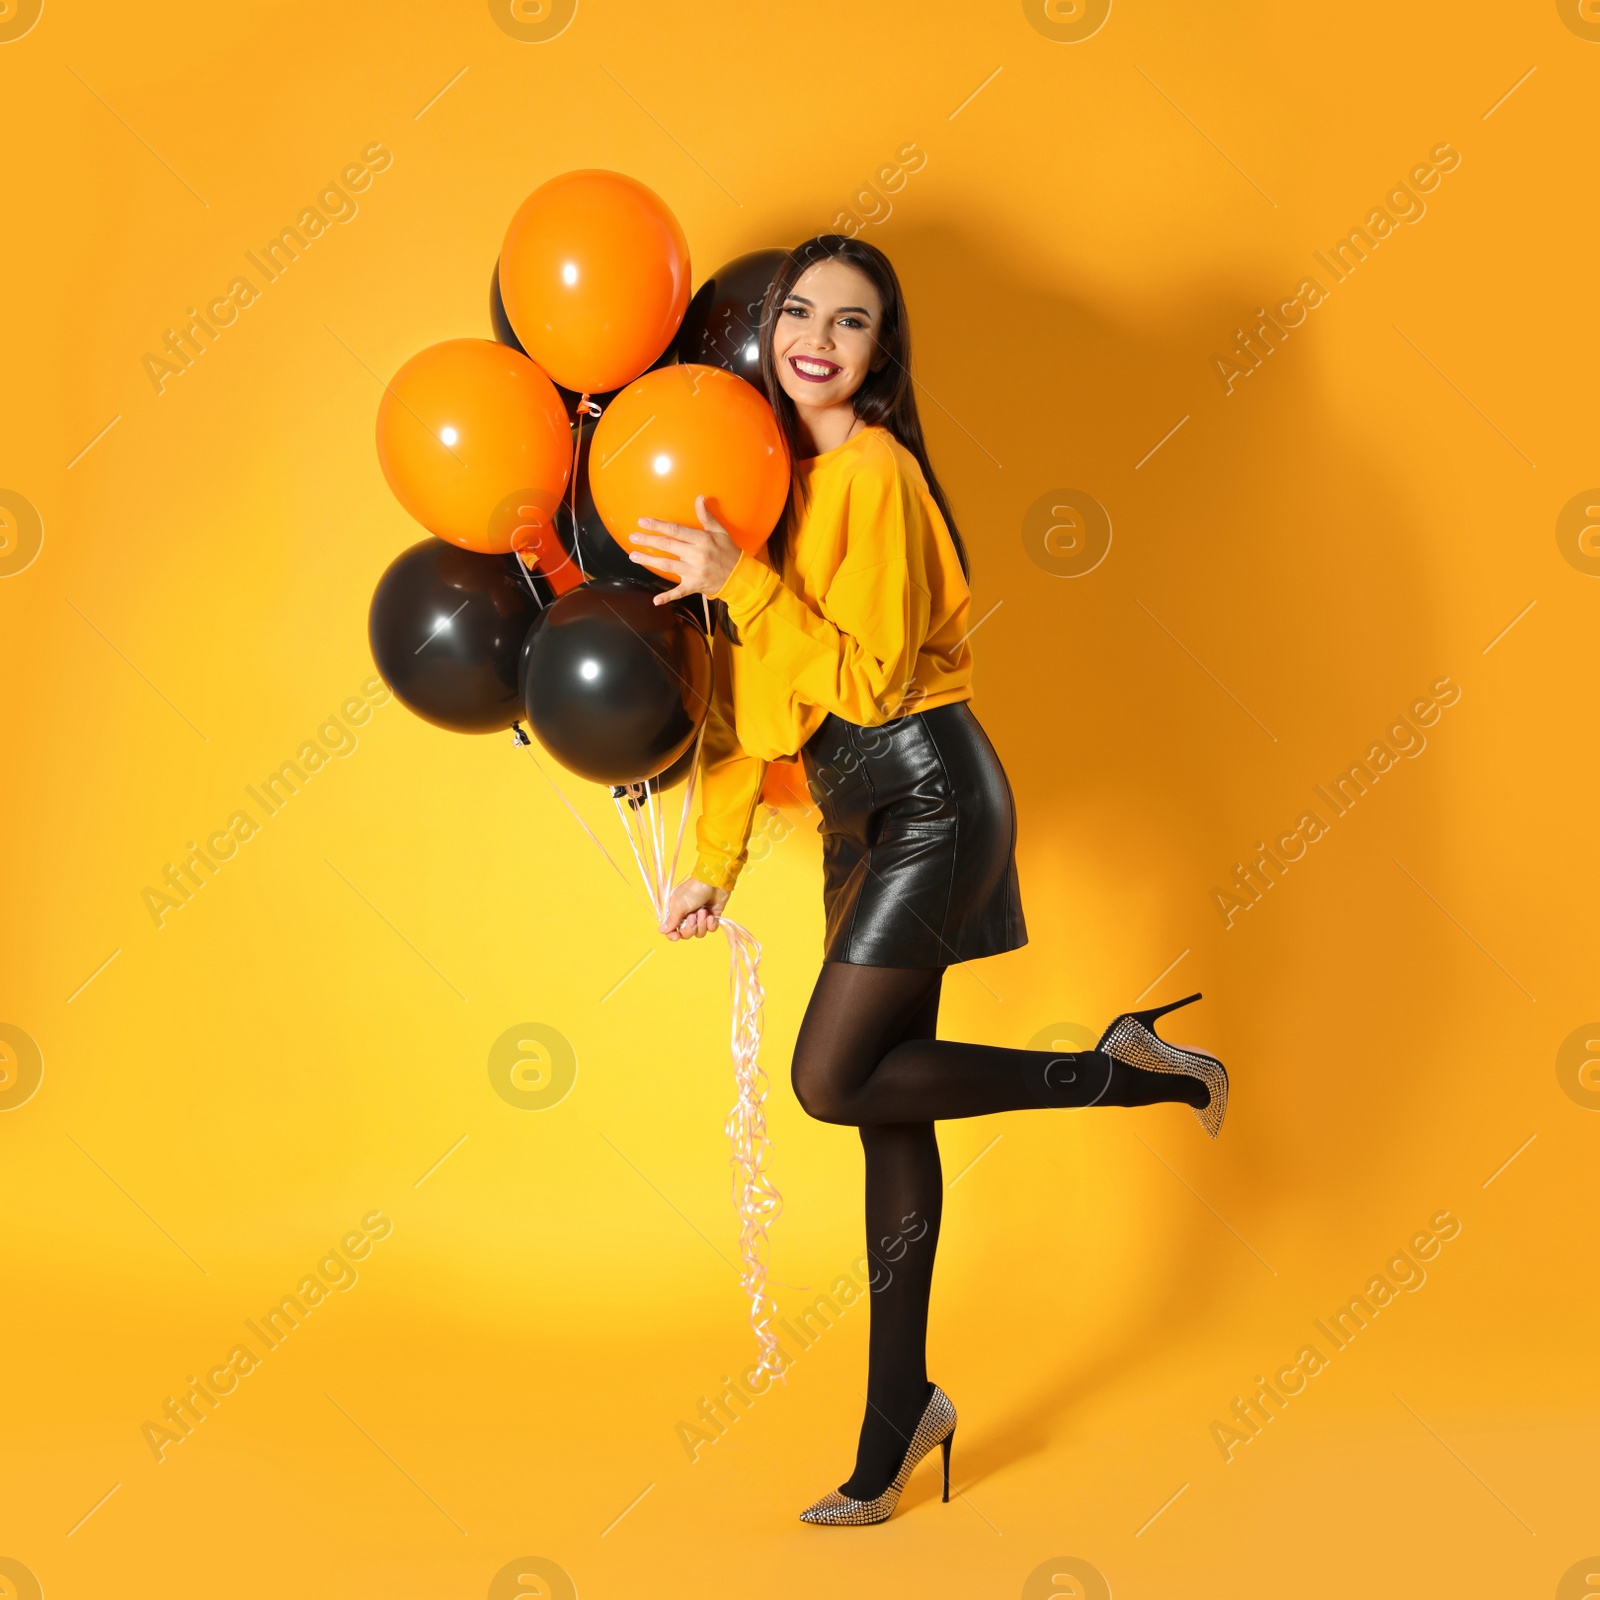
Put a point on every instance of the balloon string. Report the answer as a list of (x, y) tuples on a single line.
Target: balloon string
[(665, 866), (574, 810), (628, 815), (757, 1200), (585, 407), (688, 797), (638, 806), (644, 816), (533, 588)]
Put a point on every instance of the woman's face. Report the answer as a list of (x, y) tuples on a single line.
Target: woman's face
[(825, 341)]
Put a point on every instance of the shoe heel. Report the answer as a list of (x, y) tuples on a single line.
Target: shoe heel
[(1132, 1039), (949, 1439), (1147, 1017)]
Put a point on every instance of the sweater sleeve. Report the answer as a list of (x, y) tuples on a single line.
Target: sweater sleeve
[(857, 657), (730, 783)]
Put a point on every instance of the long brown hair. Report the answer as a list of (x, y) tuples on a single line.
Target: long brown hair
[(886, 397)]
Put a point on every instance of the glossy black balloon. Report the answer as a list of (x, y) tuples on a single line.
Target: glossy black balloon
[(616, 686), (721, 326), (602, 556), (690, 610), (447, 628), (506, 334)]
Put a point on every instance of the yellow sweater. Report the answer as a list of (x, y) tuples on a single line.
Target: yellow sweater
[(868, 620)]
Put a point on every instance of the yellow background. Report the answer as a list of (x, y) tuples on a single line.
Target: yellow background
[(302, 1042)]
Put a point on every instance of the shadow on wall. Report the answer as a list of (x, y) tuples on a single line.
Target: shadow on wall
[(1279, 550)]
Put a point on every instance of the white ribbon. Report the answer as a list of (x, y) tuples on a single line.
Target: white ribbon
[(756, 1200)]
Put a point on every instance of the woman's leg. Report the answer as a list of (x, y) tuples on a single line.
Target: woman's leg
[(854, 1065), (867, 1054), (905, 1197)]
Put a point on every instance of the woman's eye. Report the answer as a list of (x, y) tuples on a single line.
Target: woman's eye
[(794, 311)]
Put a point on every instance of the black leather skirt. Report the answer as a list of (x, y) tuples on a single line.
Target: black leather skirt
[(919, 834)]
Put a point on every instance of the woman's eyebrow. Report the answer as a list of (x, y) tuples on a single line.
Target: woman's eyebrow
[(838, 310)]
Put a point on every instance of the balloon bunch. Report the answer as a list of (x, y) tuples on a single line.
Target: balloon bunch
[(522, 606)]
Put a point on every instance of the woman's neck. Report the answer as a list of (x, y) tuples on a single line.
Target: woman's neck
[(826, 428)]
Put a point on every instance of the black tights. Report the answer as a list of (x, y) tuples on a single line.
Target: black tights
[(867, 1055)]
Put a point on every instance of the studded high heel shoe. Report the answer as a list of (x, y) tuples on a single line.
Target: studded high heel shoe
[(1131, 1039), (937, 1426)]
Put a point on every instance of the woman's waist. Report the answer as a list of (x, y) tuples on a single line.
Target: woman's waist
[(929, 765), (917, 704), (775, 736)]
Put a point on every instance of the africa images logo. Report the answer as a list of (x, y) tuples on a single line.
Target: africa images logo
[(335, 1273), (1403, 203), (333, 203)]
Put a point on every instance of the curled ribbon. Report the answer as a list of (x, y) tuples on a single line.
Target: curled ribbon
[(756, 1199)]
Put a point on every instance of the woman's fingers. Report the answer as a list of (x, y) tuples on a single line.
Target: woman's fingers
[(707, 521), (692, 911), (683, 530), (695, 557)]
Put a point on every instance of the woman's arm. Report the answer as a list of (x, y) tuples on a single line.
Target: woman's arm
[(730, 782), (730, 785), (857, 657)]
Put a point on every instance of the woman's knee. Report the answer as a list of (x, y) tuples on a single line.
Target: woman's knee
[(818, 1093)]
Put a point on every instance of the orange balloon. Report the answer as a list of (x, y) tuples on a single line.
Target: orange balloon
[(475, 443), (685, 431), (594, 273)]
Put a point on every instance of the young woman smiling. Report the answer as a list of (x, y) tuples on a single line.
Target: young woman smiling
[(845, 640)]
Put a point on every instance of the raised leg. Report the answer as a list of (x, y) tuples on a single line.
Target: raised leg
[(854, 1065)]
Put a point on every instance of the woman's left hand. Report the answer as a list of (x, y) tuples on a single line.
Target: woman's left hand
[(693, 910), (699, 558)]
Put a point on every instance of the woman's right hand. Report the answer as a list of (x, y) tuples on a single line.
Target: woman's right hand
[(694, 909)]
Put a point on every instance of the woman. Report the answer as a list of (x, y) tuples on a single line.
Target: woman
[(848, 644)]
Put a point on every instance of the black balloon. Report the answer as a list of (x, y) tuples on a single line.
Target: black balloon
[(601, 555), (722, 324), (447, 627), (506, 334), (616, 686)]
